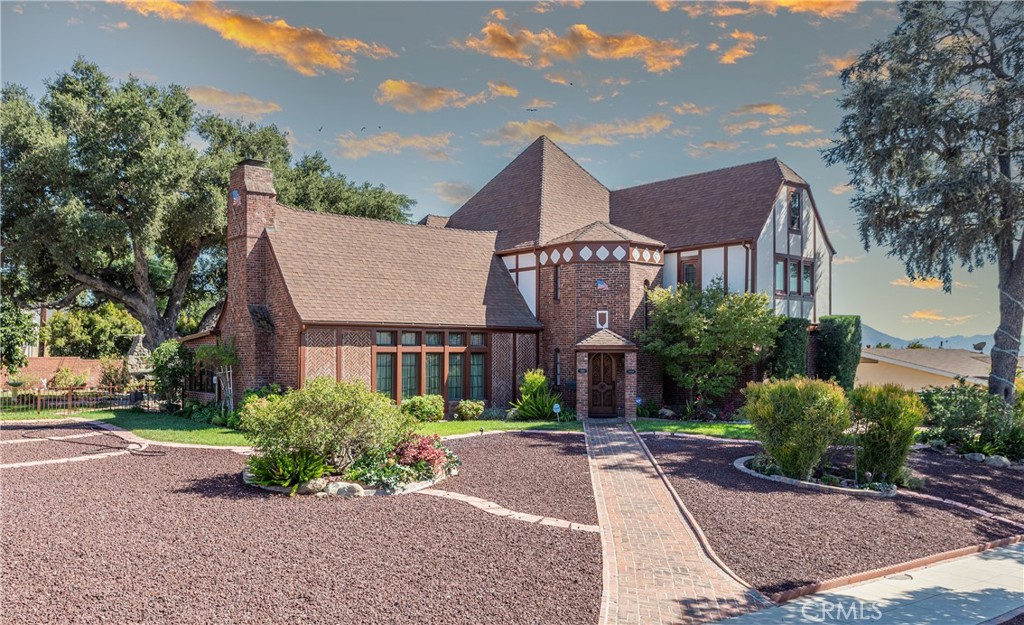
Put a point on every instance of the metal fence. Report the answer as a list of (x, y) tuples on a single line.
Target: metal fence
[(38, 401)]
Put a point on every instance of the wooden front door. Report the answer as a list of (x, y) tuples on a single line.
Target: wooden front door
[(602, 385)]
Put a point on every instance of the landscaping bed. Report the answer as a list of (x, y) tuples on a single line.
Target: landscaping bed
[(542, 473), (996, 490), (178, 538), (52, 450), (780, 537)]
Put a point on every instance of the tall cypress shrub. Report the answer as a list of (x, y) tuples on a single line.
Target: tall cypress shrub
[(839, 348), (789, 357)]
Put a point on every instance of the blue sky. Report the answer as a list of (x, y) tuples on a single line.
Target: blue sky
[(432, 99)]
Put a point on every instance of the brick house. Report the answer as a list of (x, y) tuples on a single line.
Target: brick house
[(544, 266)]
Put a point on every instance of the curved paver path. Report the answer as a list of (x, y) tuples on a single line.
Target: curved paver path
[(655, 570)]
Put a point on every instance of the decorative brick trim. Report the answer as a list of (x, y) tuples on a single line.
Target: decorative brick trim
[(740, 463), (492, 508)]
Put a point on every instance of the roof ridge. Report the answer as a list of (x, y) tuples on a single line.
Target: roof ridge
[(303, 211), (710, 171)]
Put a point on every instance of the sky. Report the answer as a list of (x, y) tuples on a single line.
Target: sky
[(432, 99)]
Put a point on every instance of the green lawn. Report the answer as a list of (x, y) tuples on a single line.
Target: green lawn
[(720, 429), (449, 428), (47, 413), (157, 426)]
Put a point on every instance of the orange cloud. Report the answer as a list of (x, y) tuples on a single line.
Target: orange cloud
[(114, 26), (308, 51), (770, 109), (931, 314), (498, 14), (558, 79), (540, 49), (689, 108), (791, 129), (434, 147), (845, 260), (664, 5), (232, 104), (841, 189), (830, 9), (608, 133), (743, 48), (537, 103), (928, 284), (833, 65), (409, 97), (820, 142), (702, 149), (738, 127), (453, 192), (502, 90), (812, 89)]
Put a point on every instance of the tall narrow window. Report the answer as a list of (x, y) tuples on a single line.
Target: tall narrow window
[(456, 339), (808, 279), (780, 275), (794, 277), (689, 271), (794, 210), (410, 338), (557, 279), (478, 339), (477, 377), (647, 286), (385, 338), (558, 367), (386, 374), (410, 375), (455, 377), (433, 365)]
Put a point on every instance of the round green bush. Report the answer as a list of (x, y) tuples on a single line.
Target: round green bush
[(796, 420), (468, 410), (424, 407), (886, 418)]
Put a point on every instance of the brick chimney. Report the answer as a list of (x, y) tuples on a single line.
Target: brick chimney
[(251, 205)]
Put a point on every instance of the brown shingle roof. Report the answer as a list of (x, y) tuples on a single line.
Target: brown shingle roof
[(434, 221), (606, 339), (341, 269), (540, 195), (952, 362), (604, 231), (712, 207)]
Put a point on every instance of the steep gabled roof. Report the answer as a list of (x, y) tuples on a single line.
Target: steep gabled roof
[(434, 221), (606, 339), (540, 195), (342, 269), (728, 204), (604, 231)]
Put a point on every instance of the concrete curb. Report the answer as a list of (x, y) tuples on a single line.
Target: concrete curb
[(741, 464), (902, 567), (702, 540)]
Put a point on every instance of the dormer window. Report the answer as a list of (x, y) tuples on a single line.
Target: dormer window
[(795, 210)]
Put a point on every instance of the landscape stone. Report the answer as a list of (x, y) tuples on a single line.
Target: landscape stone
[(344, 489), (974, 457), (312, 486), (665, 413), (1000, 462)]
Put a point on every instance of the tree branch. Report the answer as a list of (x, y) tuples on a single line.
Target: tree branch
[(112, 291), (186, 261)]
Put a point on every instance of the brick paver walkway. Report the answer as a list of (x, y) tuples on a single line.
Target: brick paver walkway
[(655, 571)]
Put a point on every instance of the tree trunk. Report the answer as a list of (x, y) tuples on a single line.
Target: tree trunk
[(157, 329), (1006, 349)]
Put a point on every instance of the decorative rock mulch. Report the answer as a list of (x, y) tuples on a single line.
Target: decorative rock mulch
[(741, 464), (336, 487)]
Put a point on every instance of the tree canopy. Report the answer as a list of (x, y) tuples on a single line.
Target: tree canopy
[(105, 190), (17, 329), (933, 140), (102, 331)]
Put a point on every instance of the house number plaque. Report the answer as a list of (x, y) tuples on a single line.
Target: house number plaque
[(581, 371)]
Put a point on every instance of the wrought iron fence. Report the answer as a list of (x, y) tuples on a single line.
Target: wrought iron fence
[(36, 401)]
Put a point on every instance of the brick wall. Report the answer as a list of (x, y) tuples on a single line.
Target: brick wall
[(649, 373)]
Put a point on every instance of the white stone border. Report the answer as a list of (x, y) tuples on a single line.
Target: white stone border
[(452, 437), (133, 445), (496, 509), (405, 489), (741, 464)]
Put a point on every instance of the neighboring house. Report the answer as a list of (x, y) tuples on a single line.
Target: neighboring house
[(544, 266), (40, 316), (39, 370), (916, 369)]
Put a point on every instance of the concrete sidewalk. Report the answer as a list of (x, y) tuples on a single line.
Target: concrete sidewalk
[(975, 589)]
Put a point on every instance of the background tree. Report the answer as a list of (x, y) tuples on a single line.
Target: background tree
[(103, 331), (933, 139), (16, 330), (131, 210), (705, 338)]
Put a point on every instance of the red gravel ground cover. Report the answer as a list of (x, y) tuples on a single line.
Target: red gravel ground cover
[(9, 431), (178, 539), (779, 537), (999, 491), (544, 473), (47, 450)]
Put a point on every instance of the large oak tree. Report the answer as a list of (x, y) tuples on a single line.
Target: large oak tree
[(119, 189), (933, 139)]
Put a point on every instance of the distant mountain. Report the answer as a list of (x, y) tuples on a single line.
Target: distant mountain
[(871, 336)]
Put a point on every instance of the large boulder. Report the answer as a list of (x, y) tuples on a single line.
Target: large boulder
[(344, 489), (1000, 462), (974, 457), (312, 486), (665, 413)]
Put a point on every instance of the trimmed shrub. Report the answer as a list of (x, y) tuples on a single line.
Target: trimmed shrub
[(468, 410), (336, 421), (172, 365), (424, 407), (887, 417), (839, 349), (789, 357), (287, 468), (66, 378), (415, 457), (114, 372), (964, 414), (536, 401), (796, 420)]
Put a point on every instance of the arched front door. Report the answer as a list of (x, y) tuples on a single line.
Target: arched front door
[(602, 385)]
